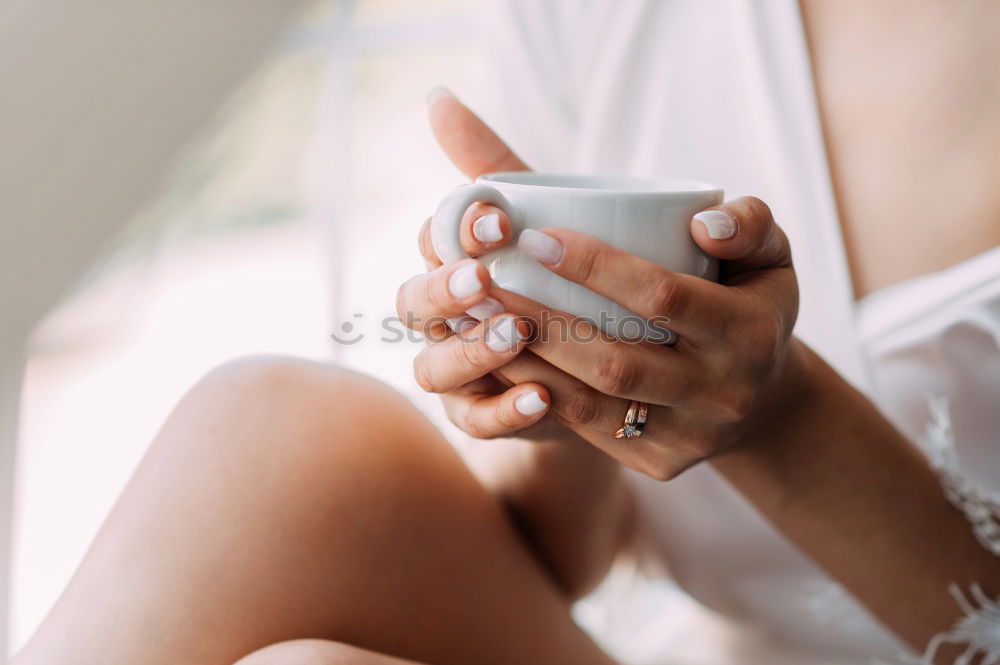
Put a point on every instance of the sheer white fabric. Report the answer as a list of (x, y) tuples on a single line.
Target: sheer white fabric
[(722, 91), (935, 343)]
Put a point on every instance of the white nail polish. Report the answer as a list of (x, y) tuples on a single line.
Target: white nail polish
[(461, 324), (487, 228), (464, 281), (529, 404), (718, 224), (437, 93), (485, 309), (502, 335), (540, 246)]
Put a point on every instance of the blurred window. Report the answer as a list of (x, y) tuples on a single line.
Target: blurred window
[(295, 213)]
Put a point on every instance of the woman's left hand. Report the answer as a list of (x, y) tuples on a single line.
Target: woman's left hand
[(734, 368)]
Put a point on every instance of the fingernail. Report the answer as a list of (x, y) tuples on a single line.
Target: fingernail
[(718, 224), (503, 335), (485, 309), (487, 228), (461, 324), (437, 93), (464, 281), (540, 246), (529, 404)]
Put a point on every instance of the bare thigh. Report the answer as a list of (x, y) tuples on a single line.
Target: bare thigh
[(286, 500)]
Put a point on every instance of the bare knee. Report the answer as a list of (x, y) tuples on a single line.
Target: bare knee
[(282, 382), (315, 652), (302, 428), (276, 405), (296, 652)]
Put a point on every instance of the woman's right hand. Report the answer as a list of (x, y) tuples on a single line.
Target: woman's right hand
[(468, 334)]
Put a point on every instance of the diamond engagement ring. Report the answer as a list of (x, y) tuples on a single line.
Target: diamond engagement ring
[(635, 420)]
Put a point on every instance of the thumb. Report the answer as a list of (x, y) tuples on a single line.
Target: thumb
[(472, 146), (744, 233)]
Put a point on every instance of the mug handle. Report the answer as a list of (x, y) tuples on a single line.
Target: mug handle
[(445, 231)]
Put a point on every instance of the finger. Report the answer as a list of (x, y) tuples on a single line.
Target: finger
[(469, 143), (487, 416), (596, 417), (462, 324), (425, 301), (757, 255), (627, 369), (744, 233), (426, 245), (483, 228), (688, 305), (469, 355)]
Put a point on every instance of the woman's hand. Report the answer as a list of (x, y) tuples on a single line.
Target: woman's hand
[(468, 333), (734, 368)]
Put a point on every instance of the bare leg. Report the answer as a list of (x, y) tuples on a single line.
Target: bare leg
[(286, 500), (318, 652)]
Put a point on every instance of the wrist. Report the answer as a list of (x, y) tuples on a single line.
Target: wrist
[(795, 389), (811, 398)]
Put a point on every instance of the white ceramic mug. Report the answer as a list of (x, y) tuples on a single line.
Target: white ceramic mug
[(647, 218)]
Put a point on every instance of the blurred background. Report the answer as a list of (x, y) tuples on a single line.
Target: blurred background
[(292, 207)]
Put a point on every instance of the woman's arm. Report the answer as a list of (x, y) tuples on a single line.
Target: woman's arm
[(843, 484)]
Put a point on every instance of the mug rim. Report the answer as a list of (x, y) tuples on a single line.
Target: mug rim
[(627, 184)]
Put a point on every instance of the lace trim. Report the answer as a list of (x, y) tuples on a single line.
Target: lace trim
[(980, 505), (979, 629)]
